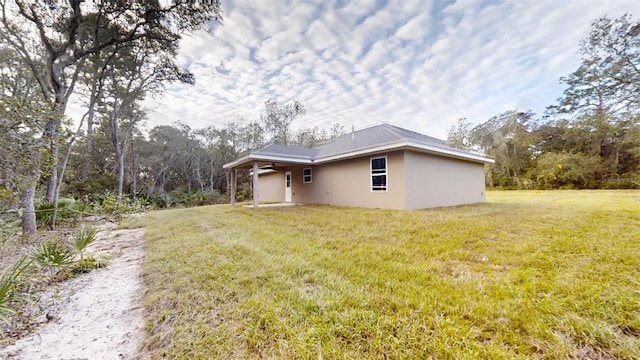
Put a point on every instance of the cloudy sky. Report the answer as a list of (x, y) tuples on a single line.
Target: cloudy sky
[(420, 64)]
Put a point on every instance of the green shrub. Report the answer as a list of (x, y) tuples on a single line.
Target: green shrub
[(44, 212), (82, 208), (566, 170), (87, 264), (83, 266), (198, 198), (220, 198), (625, 182), (9, 226), (166, 200), (108, 204), (242, 195), (201, 198), (10, 284), (83, 238), (192, 199), (52, 255), (67, 202), (68, 210)]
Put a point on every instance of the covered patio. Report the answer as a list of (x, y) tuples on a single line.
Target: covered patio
[(257, 166)]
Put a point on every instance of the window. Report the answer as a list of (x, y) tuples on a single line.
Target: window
[(306, 175), (379, 174)]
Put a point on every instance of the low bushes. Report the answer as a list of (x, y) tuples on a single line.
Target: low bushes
[(47, 262)]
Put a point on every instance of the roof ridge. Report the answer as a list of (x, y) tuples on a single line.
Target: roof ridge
[(394, 130), (385, 125)]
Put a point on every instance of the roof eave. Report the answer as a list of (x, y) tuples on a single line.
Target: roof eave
[(452, 153), (270, 158), (357, 153), (408, 145)]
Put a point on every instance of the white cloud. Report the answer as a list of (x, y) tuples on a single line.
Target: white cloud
[(414, 29), (414, 63)]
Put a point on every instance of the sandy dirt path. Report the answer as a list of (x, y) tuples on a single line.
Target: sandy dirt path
[(97, 315)]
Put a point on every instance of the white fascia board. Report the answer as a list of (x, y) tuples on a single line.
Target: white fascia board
[(233, 164), (262, 171), (353, 154), (251, 158), (452, 153), (404, 145)]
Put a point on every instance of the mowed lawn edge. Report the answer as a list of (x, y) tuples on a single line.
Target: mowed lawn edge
[(552, 274)]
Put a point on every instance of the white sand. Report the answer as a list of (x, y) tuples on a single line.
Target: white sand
[(96, 315)]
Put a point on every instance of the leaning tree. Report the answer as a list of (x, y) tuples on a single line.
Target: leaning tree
[(55, 39)]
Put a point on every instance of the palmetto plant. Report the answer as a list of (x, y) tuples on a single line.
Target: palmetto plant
[(83, 238), (52, 255), (9, 283)]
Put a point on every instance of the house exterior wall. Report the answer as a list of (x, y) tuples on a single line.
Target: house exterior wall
[(415, 181), (271, 187), (348, 183), (434, 181)]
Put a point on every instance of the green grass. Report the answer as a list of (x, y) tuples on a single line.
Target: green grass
[(527, 275)]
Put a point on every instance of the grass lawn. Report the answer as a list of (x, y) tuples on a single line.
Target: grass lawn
[(552, 274)]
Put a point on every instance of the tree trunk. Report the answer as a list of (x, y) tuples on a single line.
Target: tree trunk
[(52, 225), (134, 172), (28, 211), (96, 86), (86, 165), (51, 133), (52, 180), (200, 181), (211, 176), (120, 169), (115, 140)]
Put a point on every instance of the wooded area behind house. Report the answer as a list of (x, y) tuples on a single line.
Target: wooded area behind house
[(590, 139)]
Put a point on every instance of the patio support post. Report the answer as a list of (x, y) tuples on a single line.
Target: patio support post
[(234, 174), (255, 185)]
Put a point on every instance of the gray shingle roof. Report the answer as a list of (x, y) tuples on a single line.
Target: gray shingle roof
[(383, 135), (374, 136), (288, 151)]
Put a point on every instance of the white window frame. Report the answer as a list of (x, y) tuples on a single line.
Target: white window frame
[(304, 177), (385, 173)]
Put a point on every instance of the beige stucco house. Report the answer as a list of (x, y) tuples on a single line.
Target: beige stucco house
[(383, 166)]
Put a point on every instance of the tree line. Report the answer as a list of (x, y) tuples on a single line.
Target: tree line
[(114, 54), (179, 165), (590, 139)]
